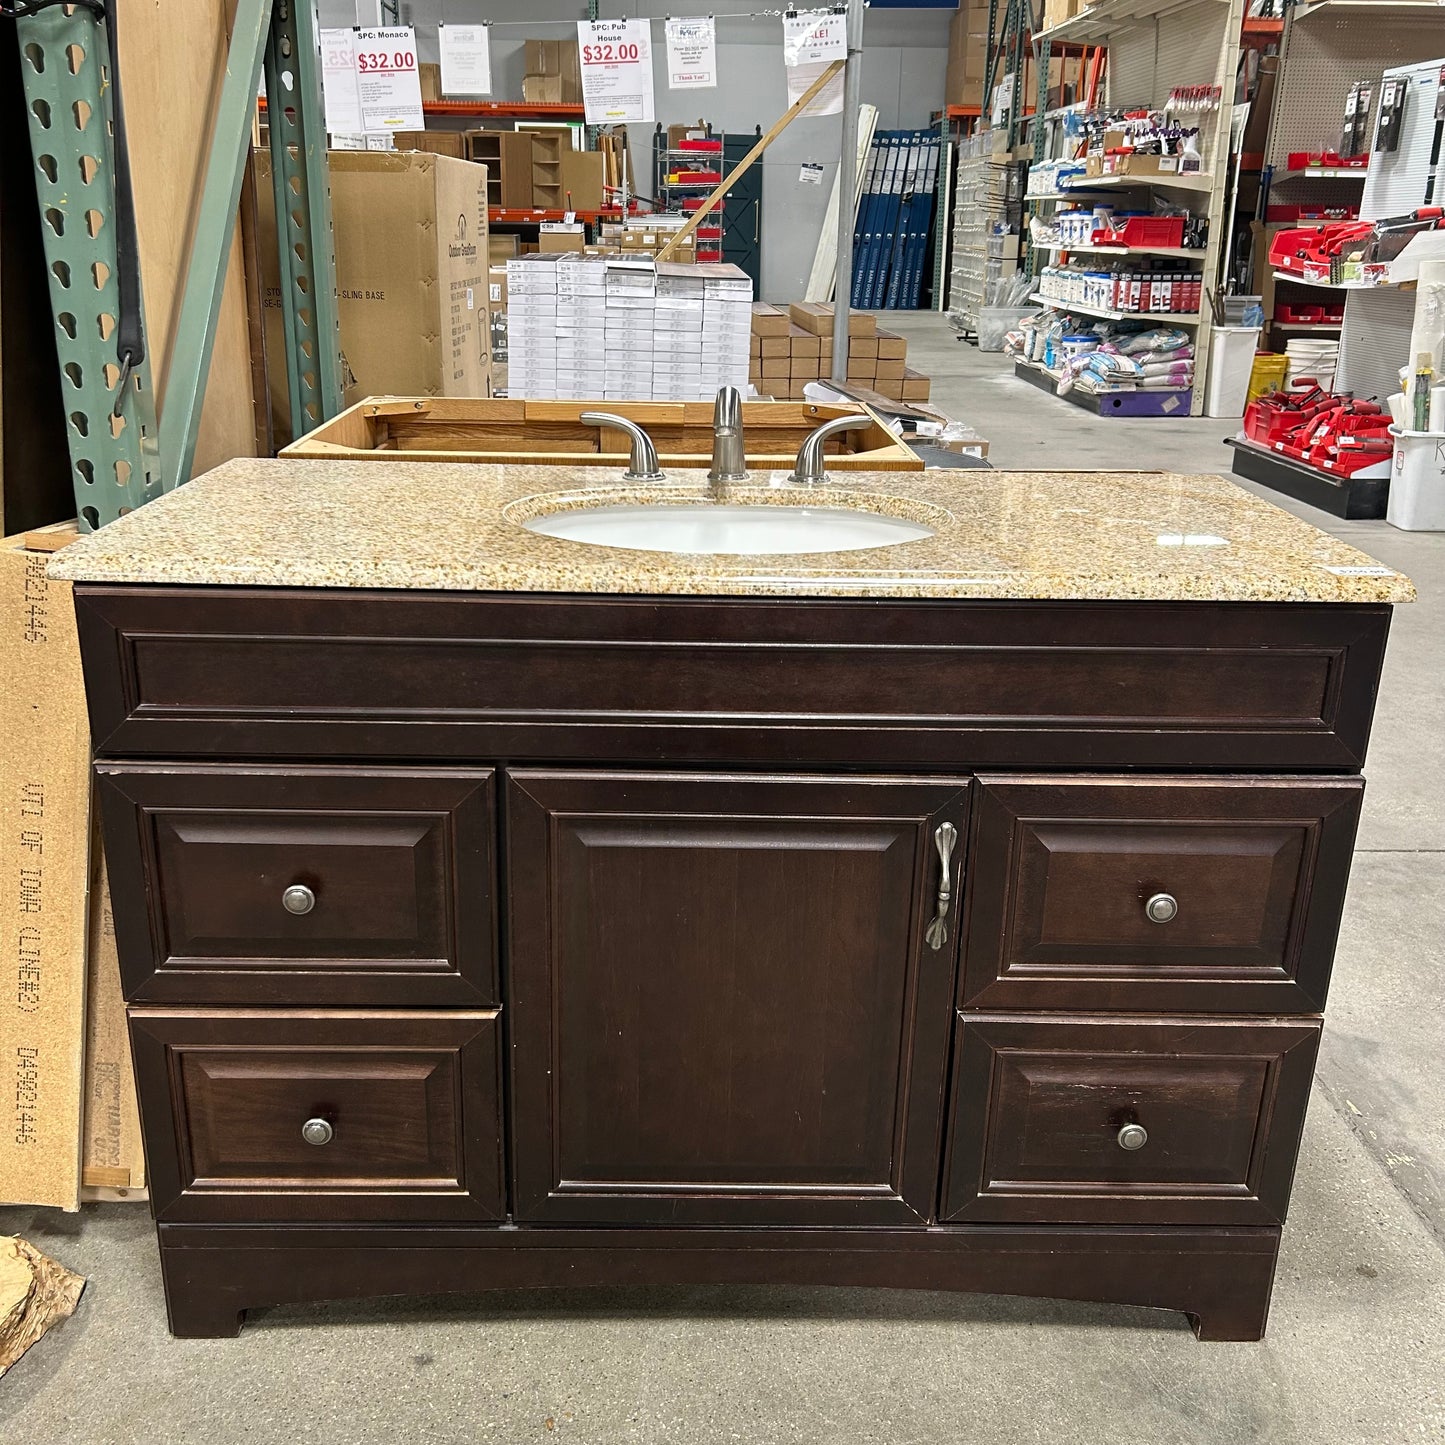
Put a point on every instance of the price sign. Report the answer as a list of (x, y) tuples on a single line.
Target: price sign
[(811, 43), (692, 54), (466, 56), (388, 84), (616, 60), (338, 82)]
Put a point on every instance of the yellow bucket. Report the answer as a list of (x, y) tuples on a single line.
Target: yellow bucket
[(1269, 370)]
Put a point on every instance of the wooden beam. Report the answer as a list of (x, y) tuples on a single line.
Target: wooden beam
[(779, 126)]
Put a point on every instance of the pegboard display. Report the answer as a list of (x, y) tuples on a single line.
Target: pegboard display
[(1397, 179), (1325, 50)]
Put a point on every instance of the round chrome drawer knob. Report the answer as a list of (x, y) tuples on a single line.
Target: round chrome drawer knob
[(1133, 1136), (1161, 908), (298, 898), (317, 1131)]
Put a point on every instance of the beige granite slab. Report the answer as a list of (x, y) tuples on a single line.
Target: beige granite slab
[(1153, 536)]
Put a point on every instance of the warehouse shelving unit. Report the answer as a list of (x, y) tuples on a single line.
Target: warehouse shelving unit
[(1325, 48), (1154, 46)]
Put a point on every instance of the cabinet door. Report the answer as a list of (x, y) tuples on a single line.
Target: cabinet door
[(725, 1006)]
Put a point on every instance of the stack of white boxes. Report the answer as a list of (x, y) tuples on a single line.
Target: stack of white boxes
[(677, 357), (727, 323), (532, 326), (581, 326), (631, 306), (625, 328)]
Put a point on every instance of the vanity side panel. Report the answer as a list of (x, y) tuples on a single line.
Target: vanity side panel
[(350, 674)]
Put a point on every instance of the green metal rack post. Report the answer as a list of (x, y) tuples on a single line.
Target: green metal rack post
[(112, 434), (120, 457)]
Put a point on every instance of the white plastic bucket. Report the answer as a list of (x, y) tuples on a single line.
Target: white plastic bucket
[(1417, 481), (1231, 358)]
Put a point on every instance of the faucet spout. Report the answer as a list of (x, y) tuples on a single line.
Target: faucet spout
[(728, 453), (808, 468)]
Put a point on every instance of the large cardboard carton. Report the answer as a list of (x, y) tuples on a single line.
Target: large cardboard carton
[(411, 277), (44, 862)]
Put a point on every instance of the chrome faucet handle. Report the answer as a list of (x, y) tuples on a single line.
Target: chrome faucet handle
[(729, 459), (808, 469), (643, 466)]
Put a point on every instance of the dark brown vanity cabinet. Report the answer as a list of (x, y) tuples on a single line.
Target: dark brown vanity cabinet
[(478, 942)]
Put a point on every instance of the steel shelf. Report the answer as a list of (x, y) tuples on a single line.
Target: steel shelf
[(1108, 403), (1307, 326), (1106, 16), (1186, 253), (1192, 182), (1335, 285), (1177, 318)]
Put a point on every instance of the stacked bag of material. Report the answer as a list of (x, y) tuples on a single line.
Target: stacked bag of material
[(1105, 356)]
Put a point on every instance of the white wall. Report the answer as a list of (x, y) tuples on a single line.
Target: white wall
[(905, 53)]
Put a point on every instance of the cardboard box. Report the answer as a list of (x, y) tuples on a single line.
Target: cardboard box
[(891, 347), (865, 348), (411, 276), (779, 366), (890, 368), (554, 61), (816, 317), (809, 368), (430, 76), (916, 386), (769, 320), (501, 248), (542, 89), (561, 237), (775, 345), (44, 876), (804, 343)]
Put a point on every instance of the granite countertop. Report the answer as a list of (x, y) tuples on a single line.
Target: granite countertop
[(1150, 536)]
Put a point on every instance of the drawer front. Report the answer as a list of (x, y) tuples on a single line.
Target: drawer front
[(882, 683), (1244, 879), (253, 1115), (1128, 1121), (236, 884)]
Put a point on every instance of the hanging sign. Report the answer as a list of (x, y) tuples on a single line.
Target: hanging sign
[(388, 84), (616, 58), (692, 54), (811, 43), (466, 56), (338, 82)]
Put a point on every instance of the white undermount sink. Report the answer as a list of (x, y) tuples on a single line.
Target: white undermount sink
[(725, 528)]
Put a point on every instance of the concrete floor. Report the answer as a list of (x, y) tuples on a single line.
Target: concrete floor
[(1354, 1351)]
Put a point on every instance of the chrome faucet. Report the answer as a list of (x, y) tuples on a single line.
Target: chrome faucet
[(808, 468), (643, 466), (728, 458)]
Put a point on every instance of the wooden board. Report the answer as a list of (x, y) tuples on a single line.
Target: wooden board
[(551, 433), (179, 52)]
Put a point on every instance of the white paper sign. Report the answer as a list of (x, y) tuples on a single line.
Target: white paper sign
[(616, 58), (466, 56), (811, 43), (388, 84), (810, 174), (692, 54), (338, 81)]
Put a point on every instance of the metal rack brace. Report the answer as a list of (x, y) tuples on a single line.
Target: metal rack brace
[(120, 457)]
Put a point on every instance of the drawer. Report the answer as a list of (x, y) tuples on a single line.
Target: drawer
[(269, 885), (1125, 1121), (253, 1115), (1245, 879)]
